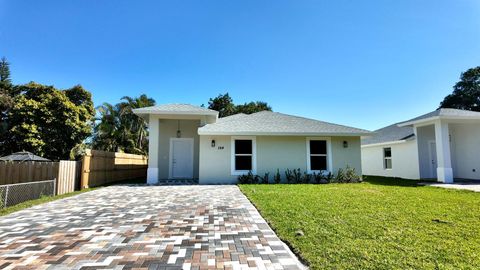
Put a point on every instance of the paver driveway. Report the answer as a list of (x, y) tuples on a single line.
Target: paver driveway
[(149, 227)]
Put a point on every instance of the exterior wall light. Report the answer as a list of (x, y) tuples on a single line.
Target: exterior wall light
[(345, 144), (179, 133), (213, 143)]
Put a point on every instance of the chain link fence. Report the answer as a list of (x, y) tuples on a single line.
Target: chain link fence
[(17, 193)]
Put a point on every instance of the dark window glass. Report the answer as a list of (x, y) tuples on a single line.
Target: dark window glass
[(318, 163), (318, 147), (388, 152), (243, 147), (243, 163)]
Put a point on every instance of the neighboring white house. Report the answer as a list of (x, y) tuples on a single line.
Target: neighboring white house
[(443, 144), (190, 142)]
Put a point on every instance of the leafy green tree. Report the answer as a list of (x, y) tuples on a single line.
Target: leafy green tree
[(119, 129), (5, 80), (225, 106), (466, 92), (253, 107), (6, 95), (83, 99), (48, 121)]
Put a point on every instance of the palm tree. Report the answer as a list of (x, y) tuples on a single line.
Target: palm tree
[(119, 129), (106, 130), (136, 124)]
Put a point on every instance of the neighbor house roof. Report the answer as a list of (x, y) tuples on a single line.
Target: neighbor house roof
[(389, 134), (444, 113), (273, 123), (186, 109), (23, 156), (404, 130)]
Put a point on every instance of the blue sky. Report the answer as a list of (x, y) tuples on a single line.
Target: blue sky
[(360, 63)]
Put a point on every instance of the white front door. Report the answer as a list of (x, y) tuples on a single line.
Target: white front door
[(433, 158), (181, 158)]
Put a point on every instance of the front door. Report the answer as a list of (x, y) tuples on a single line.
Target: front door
[(433, 158), (181, 158)]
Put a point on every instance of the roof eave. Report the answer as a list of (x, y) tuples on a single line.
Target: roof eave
[(434, 118), (149, 112), (302, 134), (385, 143), (415, 122)]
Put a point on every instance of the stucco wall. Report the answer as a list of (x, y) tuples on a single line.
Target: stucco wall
[(214, 166), (404, 160), (351, 156), (280, 153), (273, 152), (168, 129), (465, 150)]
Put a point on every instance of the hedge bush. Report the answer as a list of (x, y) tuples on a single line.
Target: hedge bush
[(295, 176)]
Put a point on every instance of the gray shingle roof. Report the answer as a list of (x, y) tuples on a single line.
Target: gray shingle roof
[(396, 133), (175, 108), (445, 112), (271, 123), (23, 156), (389, 134)]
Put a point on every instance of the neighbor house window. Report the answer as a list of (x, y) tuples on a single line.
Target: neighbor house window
[(317, 155), (243, 160), (387, 158)]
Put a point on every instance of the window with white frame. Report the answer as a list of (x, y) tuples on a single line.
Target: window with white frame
[(318, 156), (243, 155), (387, 158)]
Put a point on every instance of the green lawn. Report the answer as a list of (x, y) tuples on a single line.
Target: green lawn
[(379, 224), (44, 199)]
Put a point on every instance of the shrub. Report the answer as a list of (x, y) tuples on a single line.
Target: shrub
[(293, 176), (256, 179), (344, 175), (289, 176), (352, 176), (321, 178), (306, 178), (265, 179), (347, 175), (246, 178), (277, 177), (297, 176), (316, 177), (329, 177)]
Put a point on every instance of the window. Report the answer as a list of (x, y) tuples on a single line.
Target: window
[(387, 158), (243, 158), (317, 155)]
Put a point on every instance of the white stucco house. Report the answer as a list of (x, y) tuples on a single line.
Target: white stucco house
[(443, 145), (191, 142)]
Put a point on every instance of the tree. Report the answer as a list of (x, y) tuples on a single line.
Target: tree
[(5, 80), (6, 99), (137, 125), (466, 92), (119, 129), (225, 106), (48, 121), (106, 131), (253, 107)]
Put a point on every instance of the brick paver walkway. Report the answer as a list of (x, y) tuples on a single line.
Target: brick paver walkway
[(144, 227)]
